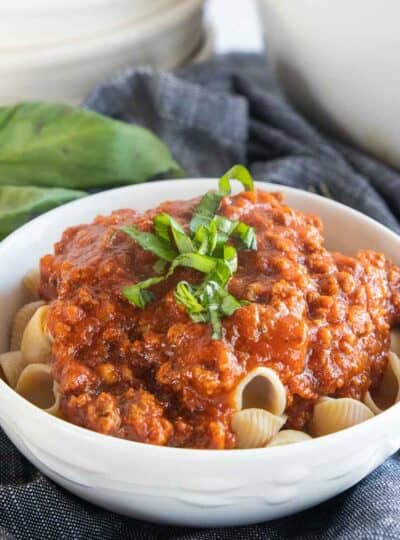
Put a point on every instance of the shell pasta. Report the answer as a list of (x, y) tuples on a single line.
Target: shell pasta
[(12, 365), (21, 320), (31, 282), (36, 342), (26, 367)]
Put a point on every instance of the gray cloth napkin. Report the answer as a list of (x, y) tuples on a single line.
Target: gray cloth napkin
[(213, 115)]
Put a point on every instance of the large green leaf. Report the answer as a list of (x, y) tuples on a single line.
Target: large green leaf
[(63, 146), (17, 204)]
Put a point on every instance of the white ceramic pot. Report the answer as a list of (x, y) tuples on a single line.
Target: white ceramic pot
[(181, 486), (68, 72), (33, 23), (338, 62)]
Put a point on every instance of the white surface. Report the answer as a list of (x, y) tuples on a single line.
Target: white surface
[(338, 61), (191, 487), (68, 72), (237, 25), (35, 23)]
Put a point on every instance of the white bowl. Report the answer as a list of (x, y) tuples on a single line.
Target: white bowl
[(181, 486), (337, 61), (32, 23), (70, 71), (206, 50)]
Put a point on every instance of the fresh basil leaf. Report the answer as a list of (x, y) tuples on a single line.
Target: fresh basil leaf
[(159, 266), (151, 242), (165, 226), (237, 172), (138, 294), (246, 234), (221, 274), (206, 239), (224, 225), (163, 223), (206, 251), (54, 145), (215, 321), (229, 305), (184, 295), (206, 210), (18, 204), (201, 239), (199, 262), (230, 257), (219, 304), (210, 202), (212, 237)]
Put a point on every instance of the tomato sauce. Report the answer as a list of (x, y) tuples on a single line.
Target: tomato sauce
[(321, 320)]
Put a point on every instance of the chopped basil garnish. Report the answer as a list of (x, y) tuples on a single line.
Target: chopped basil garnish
[(210, 202), (138, 295), (205, 250), (150, 242), (169, 229), (237, 172)]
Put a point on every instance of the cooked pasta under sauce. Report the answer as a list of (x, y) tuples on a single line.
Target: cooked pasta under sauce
[(320, 321)]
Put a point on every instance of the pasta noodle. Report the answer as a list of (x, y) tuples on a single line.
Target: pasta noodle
[(12, 365), (261, 389), (20, 322), (289, 436), (395, 341), (388, 392), (36, 342), (255, 427), (31, 282), (36, 384), (331, 415)]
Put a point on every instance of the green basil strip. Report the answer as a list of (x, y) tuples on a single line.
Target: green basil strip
[(229, 305), (210, 202), (201, 239), (46, 144), (206, 239), (206, 251), (184, 295), (151, 242), (202, 263), (244, 232), (138, 295), (230, 257), (165, 226), (206, 210), (18, 204), (215, 321), (163, 223), (225, 225), (159, 266), (237, 172), (219, 304)]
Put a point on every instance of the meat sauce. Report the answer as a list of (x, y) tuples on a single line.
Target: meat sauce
[(321, 320)]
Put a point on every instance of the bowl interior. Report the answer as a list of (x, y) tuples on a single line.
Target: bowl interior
[(345, 230)]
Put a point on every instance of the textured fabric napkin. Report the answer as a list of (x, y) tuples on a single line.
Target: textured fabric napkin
[(211, 116)]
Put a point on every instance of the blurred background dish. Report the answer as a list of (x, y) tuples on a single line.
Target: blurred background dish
[(67, 71), (337, 62), (34, 23), (206, 49)]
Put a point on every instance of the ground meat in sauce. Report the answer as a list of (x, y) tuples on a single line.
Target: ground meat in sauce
[(320, 319)]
